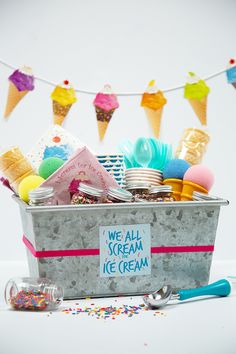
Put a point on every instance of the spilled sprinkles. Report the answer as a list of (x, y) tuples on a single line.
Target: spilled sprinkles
[(110, 312)]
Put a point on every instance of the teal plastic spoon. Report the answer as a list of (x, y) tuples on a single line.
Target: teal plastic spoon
[(156, 156), (160, 297), (126, 147), (143, 152)]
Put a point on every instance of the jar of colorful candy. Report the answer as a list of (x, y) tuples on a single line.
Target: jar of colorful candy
[(87, 195), (34, 294)]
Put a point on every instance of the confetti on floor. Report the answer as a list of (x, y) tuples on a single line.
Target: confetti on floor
[(110, 312)]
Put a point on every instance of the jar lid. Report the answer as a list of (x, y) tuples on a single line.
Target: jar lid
[(85, 188), (41, 193), (203, 196), (160, 189), (138, 185), (121, 194)]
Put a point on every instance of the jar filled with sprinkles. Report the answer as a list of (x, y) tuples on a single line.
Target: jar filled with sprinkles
[(87, 195), (140, 191), (33, 294), (118, 195), (161, 194)]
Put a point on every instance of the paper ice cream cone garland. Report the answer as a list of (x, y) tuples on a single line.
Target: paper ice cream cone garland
[(63, 96), (105, 104), (231, 72), (21, 82), (153, 102), (196, 92)]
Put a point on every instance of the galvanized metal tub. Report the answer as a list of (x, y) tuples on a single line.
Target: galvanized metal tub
[(64, 244)]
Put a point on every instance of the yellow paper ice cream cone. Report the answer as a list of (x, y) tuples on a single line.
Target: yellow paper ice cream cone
[(189, 188), (63, 96), (200, 108), (154, 118), (60, 112), (14, 97), (102, 127), (176, 184)]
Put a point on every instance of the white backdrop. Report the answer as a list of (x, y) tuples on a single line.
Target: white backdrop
[(124, 43)]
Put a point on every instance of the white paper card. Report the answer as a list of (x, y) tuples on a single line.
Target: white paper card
[(125, 250)]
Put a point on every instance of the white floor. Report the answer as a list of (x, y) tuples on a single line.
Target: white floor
[(194, 327)]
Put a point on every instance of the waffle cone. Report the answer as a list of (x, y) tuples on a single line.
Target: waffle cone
[(176, 184), (200, 107), (103, 119), (14, 97), (189, 188), (102, 127), (154, 118), (60, 112)]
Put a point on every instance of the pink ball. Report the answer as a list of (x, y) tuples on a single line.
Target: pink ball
[(200, 175)]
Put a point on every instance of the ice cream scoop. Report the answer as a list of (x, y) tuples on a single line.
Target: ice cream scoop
[(162, 296), (197, 178), (196, 92), (173, 175)]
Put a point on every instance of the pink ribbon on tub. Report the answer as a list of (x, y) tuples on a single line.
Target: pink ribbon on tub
[(95, 251)]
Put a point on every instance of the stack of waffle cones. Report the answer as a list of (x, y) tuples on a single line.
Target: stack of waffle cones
[(15, 167)]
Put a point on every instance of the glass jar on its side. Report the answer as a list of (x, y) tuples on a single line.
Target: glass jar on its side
[(161, 194), (33, 294), (42, 196), (87, 195)]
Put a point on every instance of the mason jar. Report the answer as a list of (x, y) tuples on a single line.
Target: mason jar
[(161, 194), (87, 195), (118, 195), (139, 191), (42, 196)]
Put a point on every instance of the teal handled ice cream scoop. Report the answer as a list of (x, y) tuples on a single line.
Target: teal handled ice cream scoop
[(160, 297)]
